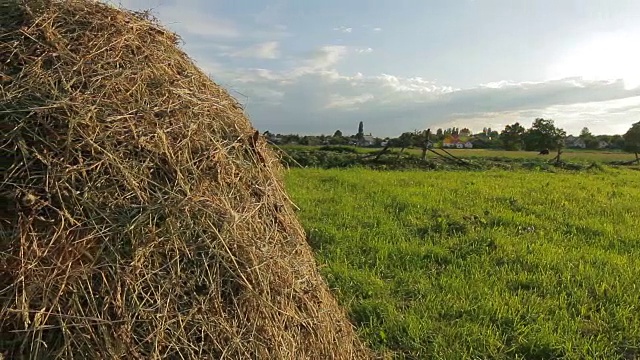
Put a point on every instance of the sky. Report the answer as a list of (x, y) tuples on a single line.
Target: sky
[(313, 67)]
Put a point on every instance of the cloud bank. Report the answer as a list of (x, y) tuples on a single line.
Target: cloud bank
[(287, 90)]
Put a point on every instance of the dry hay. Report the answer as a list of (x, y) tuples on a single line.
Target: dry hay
[(141, 214)]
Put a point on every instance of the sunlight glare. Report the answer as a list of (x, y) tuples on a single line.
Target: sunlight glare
[(611, 56)]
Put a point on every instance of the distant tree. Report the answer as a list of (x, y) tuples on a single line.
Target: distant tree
[(403, 141), (585, 133), (290, 139), (312, 140), (617, 141), (338, 140), (423, 139), (632, 139), (360, 133), (511, 137), (481, 143), (439, 134), (605, 138), (590, 141), (543, 134), (338, 133)]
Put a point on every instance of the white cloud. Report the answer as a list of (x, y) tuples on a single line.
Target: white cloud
[(187, 20), (415, 84), (259, 75), (603, 56), (324, 58), (314, 97), (199, 18), (344, 29), (364, 50), (271, 13), (348, 102), (601, 117), (265, 50), (315, 94), (615, 115)]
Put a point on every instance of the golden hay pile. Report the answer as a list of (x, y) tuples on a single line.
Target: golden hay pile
[(141, 214)]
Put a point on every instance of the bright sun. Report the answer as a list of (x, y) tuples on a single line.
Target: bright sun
[(604, 57)]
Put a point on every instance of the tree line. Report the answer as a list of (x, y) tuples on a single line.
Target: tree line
[(542, 134)]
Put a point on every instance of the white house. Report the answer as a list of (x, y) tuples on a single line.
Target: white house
[(367, 140), (455, 142), (574, 142)]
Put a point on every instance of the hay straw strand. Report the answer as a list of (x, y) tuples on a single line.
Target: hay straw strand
[(141, 215)]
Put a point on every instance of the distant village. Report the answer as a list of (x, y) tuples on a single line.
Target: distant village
[(543, 134)]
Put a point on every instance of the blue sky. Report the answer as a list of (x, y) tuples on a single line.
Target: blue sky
[(317, 66)]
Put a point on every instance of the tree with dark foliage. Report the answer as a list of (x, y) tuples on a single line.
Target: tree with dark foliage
[(544, 135), (360, 134), (632, 140), (511, 137)]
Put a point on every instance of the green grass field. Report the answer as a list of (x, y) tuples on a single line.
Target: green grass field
[(486, 265)]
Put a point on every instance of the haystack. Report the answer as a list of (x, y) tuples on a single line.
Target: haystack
[(142, 217)]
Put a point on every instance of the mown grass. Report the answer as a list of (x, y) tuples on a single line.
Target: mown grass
[(497, 264)]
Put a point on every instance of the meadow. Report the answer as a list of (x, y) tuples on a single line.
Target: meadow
[(568, 154), (332, 157), (476, 265)]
